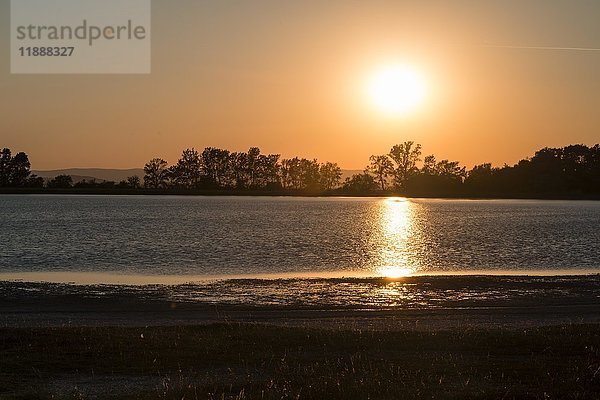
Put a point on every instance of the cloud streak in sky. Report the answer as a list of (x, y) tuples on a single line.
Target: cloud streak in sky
[(555, 48)]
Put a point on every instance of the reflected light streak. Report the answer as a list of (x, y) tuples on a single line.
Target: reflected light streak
[(397, 229)]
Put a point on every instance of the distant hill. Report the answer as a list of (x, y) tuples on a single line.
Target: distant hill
[(117, 175), (99, 174)]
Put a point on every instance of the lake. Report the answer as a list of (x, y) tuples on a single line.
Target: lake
[(184, 237)]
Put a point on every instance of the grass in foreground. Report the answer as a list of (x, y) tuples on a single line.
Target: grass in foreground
[(267, 362)]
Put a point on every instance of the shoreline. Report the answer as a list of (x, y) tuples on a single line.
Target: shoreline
[(438, 302), (116, 278), (259, 193)]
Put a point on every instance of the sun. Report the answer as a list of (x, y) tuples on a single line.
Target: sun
[(397, 89)]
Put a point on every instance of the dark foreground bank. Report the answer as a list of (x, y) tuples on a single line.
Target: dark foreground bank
[(410, 338), (250, 361)]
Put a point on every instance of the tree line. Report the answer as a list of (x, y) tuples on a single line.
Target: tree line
[(570, 170), (221, 169)]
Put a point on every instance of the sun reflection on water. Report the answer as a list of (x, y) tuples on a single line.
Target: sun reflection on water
[(397, 229), (395, 272)]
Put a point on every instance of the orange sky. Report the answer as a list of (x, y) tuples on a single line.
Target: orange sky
[(290, 78)]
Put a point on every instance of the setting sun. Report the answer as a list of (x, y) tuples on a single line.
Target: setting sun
[(397, 89)]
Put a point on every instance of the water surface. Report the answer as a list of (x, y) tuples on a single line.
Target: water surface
[(258, 236)]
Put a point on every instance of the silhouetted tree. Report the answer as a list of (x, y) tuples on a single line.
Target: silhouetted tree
[(216, 166), (253, 165), (310, 175), (5, 165), (187, 172), (443, 177), (451, 170), (481, 179), (330, 175), (238, 167), (19, 170), (61, 182), (406, 156), (156, 174), (253, 170), (381, 167), (14, 170), (429, 165), (134, 182), (267, 173), (34, 181), (291, 173), (360, 183)]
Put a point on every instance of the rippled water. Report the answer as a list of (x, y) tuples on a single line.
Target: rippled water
[(247, 236)]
